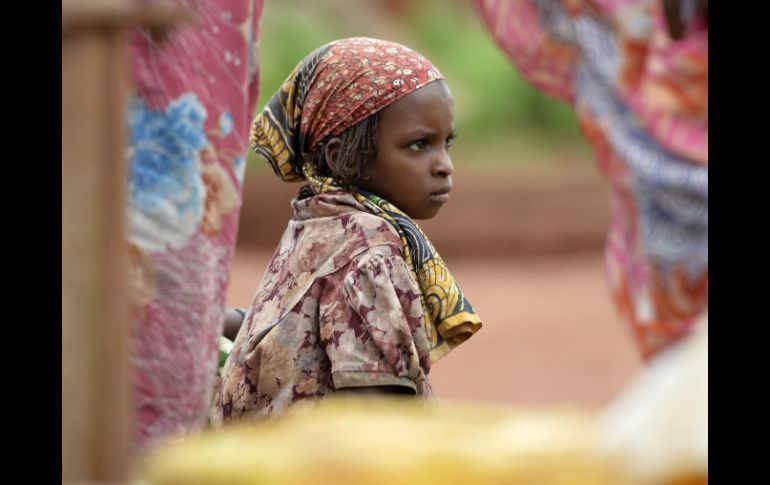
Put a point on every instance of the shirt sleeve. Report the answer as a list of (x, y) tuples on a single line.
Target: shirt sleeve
[(371, 324)]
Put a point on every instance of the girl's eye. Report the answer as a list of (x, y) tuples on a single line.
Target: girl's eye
[(450, 140), (418, 145)]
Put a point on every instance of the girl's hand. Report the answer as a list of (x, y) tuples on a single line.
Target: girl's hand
[(233, 321)]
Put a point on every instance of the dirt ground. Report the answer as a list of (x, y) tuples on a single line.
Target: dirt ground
[(525, 247)]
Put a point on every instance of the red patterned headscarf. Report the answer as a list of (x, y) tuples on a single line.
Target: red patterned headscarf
[(332, 89)]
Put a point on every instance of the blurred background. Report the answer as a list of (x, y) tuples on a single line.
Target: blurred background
[(523, 231)]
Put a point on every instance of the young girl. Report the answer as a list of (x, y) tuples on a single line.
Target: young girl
[(355, 297)]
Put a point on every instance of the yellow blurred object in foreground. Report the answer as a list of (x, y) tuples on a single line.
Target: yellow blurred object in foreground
[(654, 433), (375, 441)]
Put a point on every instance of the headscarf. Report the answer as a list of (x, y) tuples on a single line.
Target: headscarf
[(335, 87)]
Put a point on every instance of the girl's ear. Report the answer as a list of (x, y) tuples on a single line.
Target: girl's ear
[(331, 150)]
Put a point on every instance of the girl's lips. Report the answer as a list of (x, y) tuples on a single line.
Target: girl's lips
[(440, 197)]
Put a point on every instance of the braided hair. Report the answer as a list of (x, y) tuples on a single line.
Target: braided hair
[(358, 147)]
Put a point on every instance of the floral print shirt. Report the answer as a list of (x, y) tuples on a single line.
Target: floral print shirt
[(337, 308)]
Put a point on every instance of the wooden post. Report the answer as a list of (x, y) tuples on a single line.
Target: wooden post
[(96, 406)]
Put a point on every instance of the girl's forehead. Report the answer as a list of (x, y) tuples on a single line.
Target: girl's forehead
[(426, 111), (435, 96)]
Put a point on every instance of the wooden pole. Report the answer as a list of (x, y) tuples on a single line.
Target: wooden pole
[(96, 406)]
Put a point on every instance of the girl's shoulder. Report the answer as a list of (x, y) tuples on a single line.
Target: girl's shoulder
[(336, 217), (325, 243), (361, 231)]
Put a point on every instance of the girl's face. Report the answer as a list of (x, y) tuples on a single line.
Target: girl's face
[(412, 169)]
